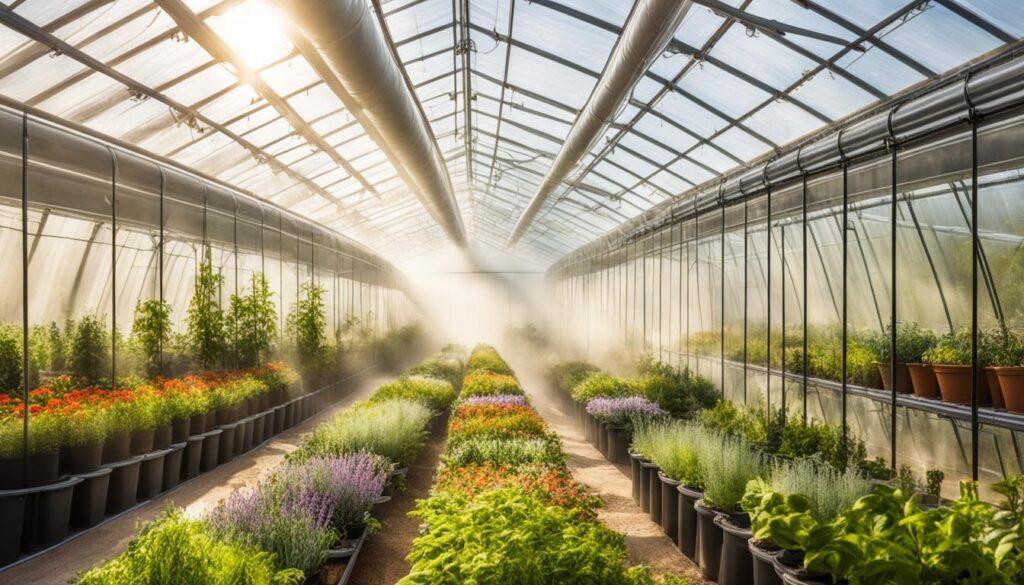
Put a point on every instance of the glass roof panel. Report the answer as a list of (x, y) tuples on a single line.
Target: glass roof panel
[(938, 38), (543, 28)]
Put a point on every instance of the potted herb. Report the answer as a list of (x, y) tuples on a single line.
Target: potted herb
[(951, 362), (619, 416), (933, 488), (911, 343), (1010, 373), (723, 529), (84, 433), (42, 465)]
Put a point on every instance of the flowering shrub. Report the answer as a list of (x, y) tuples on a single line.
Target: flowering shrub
[(505, 399), (600, 385), (624, 412), (434, 393), (497, 421), (554, 485), (513, 452), (485, 383), (352, 482), (443, 367), (485, 357)]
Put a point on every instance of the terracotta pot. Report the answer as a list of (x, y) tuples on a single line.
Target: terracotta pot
[(923, 379), (955, 384), (904, 385), (1011, 380), (994, 387)]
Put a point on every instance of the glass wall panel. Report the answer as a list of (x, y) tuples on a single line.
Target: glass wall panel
[(12, 301)]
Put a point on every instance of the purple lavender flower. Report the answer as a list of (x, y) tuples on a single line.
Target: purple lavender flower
[(624, 411), (349, 483), (500, 400)]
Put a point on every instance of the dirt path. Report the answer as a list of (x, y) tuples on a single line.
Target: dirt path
[(646, 544), (382, 561), (197, 496)]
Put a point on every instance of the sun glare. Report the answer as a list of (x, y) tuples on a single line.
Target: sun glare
[(255, 31)]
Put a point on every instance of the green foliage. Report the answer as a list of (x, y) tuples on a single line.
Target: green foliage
[(828, 491), (151, 331), (10, 358), (206, 339), (485, 357), (514, 452), (911, 343), (566, 375), (252, 323), (173, 550), (601, 385), (952, 349), (933, 485), (507, 536), (306, 324), (681, 393), (435, 394), (726, 465), (677, 448), (906, 480), (394, 429), (443, 367), (89, 358), (488, 383)]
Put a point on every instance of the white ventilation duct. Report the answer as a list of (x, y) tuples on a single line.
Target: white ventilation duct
[(346, 34), (647, 32)]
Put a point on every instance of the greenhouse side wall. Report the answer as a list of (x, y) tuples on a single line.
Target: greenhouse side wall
[(773, 284), (90, 231)]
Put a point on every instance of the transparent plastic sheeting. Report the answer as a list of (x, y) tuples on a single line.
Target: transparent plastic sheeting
[(723, 95), (761, 276), (105, 229)]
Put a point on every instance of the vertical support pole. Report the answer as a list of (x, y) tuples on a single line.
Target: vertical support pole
[(782, 337), (975, 245), (768, 297), (746, 293), (160, 269), (845, 238), (24, 293), (892, 314), (113, 267), (803, 222), (721, 306)]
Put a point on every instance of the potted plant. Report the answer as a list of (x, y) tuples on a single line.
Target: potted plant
[(84, 433), (619, 416), (1010, 373), (723, 529), (911, 343), (951, 362), (42, 464)]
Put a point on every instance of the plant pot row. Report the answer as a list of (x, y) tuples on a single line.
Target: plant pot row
[(999, 387), (717, 542), (44, 498), (612, 441)]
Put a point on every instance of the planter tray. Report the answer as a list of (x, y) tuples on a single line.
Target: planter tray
[(333, 573)]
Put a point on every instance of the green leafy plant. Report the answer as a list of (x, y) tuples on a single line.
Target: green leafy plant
[(726, 466), (676, 447), (566, 375), (488, 383), (513, 452), (10, 358), (251, 323), (485, 357), (306, 325), (90, 351), (911, 343), (601, 385), (436, 394), (934, 478), (508, 536), (173, 550), (443, 367), (395, 429), (680, 392), (151, 331), (952, 349), (206, 339)]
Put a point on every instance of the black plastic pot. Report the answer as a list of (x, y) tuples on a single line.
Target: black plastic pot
[(43, 469), (686, 539), (192, 458), (239, 446), (89, 503), (250, 429), (84, 458), (124, 485), (764, 566), (258, 423), (117, 447), (197, 424), (268, 424), (789, 566), (142, 441), (737, 565), (654, 487), (180, 428), (13, 504), (49, 514), (226, 415), (602, 439), (709, 541), (226, 448), (162, 437), (289, 414), (669, 506), (280, 416), (12, 473), (264, 401), (172, 465), (588, 427), (211, 421), (151, 474), (648, 472), (211, 449), (618, 444), (637, 473)]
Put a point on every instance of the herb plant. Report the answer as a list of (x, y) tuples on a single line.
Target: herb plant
[(206, 338), (151, 332), (252, 323)]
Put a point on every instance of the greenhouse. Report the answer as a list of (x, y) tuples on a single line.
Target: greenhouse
[(567, 292)]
